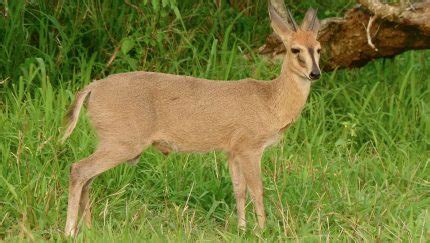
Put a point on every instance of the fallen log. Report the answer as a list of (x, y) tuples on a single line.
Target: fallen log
[(368, 31)]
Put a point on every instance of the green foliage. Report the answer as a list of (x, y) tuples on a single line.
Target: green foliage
[(355, 166)]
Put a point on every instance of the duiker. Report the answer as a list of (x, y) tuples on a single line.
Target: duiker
[(131, 111)]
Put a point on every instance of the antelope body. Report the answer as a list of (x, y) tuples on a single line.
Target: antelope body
[(131, 111)]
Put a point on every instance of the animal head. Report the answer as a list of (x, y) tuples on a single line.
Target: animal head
[(303, 49)]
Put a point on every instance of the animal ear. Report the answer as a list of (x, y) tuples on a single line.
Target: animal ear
[(281, 27), (311, 22)]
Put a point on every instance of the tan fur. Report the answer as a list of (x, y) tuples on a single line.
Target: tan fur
[(131, 111), (73, 113)]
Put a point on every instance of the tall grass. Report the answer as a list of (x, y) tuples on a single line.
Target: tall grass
[(355, 166)]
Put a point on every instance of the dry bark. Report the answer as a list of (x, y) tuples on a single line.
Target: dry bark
[(353, 41)]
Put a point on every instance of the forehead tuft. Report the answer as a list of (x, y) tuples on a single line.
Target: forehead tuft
[(304, 38)]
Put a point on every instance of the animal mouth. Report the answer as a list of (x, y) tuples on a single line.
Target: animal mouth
[(309, 78)]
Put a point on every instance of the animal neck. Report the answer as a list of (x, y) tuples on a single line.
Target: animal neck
[(290, 94)]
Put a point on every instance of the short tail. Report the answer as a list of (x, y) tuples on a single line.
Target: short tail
[(73, 113)]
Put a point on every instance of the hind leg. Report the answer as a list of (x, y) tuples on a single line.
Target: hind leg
[(163, 148), (107, 156), (134, 161), (84, 205)]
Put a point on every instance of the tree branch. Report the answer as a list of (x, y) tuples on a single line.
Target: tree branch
[(417, 14)]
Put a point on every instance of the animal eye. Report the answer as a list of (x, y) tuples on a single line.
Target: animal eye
[(319, 51), (295, 50)]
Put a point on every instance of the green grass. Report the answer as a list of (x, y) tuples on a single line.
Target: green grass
[(355, 166)]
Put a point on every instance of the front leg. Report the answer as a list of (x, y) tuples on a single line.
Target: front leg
[(249, 164), (239, 187)]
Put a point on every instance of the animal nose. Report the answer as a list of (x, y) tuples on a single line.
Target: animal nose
[(315, 75)]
